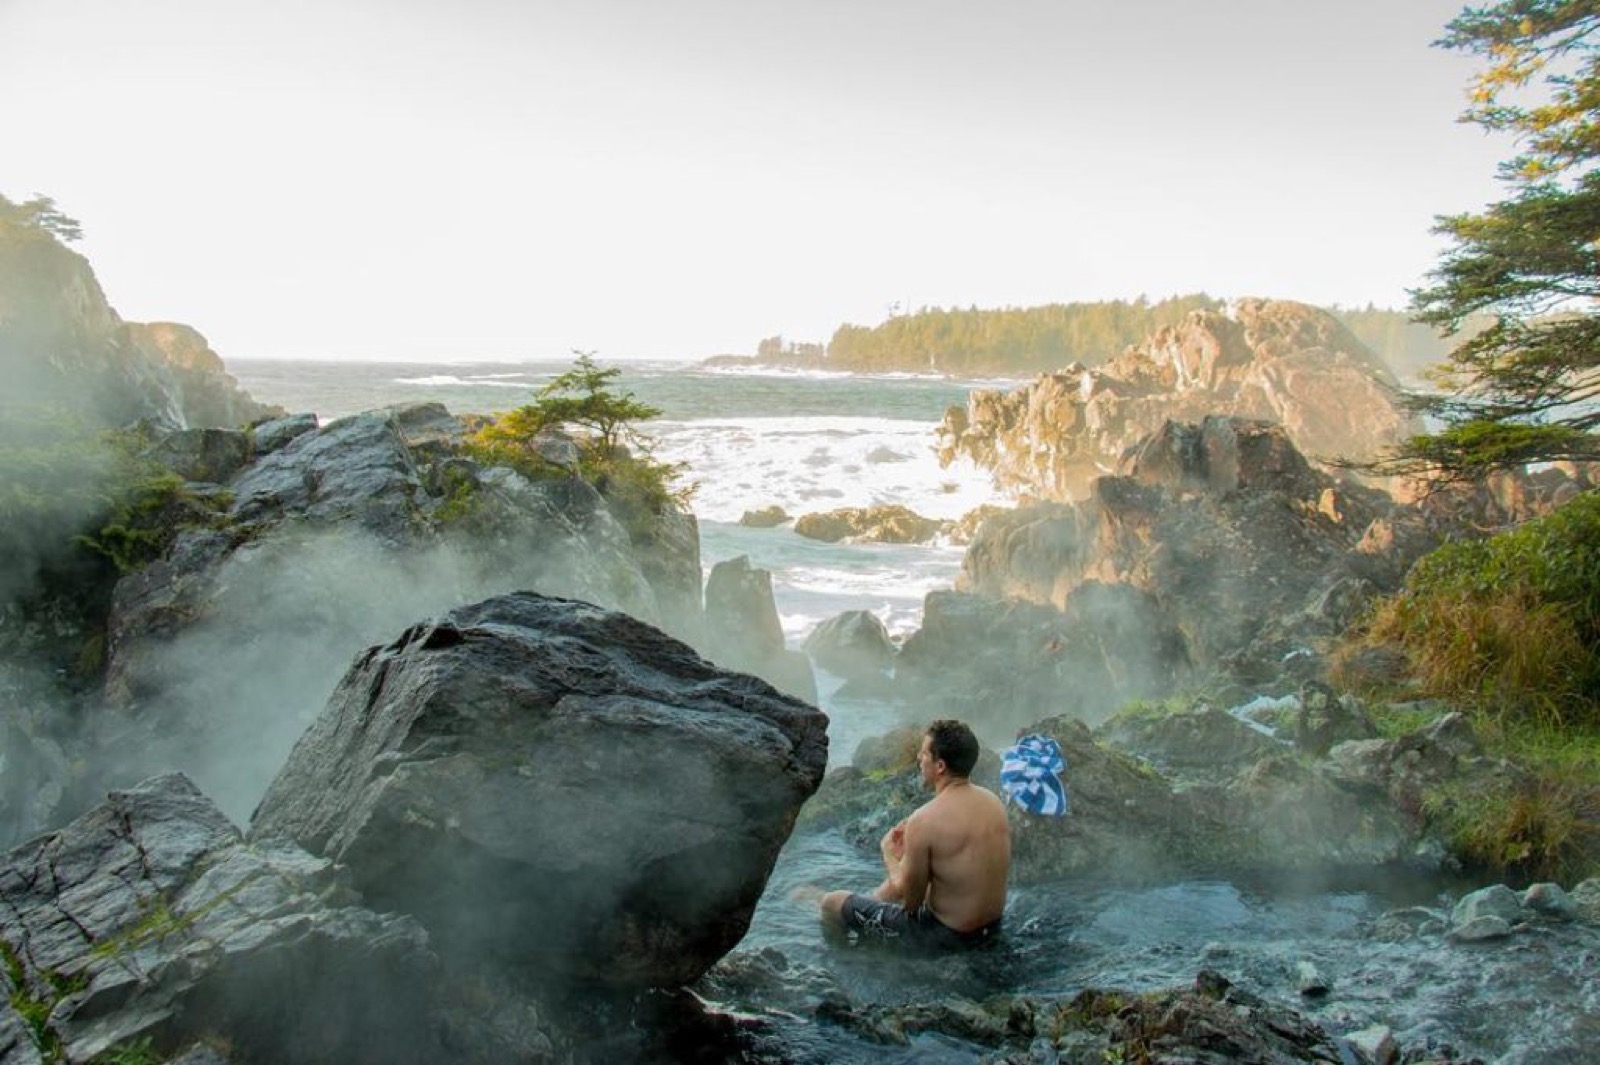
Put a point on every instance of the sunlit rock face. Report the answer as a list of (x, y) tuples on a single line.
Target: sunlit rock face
[(1221, 528), (62, 344), (556, 786), (1274, 360)]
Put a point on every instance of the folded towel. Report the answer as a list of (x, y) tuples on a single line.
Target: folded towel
[(1030, 776)]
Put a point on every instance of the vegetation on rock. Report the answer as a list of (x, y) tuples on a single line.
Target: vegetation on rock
[(1509, 628), (612, 455)]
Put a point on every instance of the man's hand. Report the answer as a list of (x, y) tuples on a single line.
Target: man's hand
[(893, 844)]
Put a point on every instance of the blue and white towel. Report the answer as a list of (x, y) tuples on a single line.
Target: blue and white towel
[(1030, 776)]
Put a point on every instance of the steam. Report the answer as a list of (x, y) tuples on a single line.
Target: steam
[(231, 693)]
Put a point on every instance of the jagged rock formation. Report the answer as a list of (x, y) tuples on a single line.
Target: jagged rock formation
[(1267, 359), (150, 918), (1220, 550), (742, 630), (331, 542), (61, 344), (557, 786)]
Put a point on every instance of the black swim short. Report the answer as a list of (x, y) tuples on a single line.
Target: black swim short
[(868, 920)]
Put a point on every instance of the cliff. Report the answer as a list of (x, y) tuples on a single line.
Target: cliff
[(1269, 360), (62, 345)]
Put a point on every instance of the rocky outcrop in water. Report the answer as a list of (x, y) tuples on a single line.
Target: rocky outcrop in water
[(743, 632), (854, 645), (1273, 360), (884, 524), (559, 787)]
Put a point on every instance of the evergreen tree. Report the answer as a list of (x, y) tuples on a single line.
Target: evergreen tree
[(1527, 388)]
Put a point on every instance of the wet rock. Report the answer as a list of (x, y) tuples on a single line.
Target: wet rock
[(893, 752), (742, 630), (1198, 737), (854, 645), (212, 455), (887, 524), (1586, 898), (764, 517), (148, 917), (275, 434), (355, 469), (1004, 665), (1327, 718), (1548, 900), (1480, 929), (556, 786), (1497, 901), (1376, 1044)]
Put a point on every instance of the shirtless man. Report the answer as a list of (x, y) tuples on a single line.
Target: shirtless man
[(946, 864)]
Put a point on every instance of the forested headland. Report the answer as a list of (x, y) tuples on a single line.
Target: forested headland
[(1026, 340)]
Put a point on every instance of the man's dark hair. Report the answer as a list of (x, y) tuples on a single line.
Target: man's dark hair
[(951, 742)]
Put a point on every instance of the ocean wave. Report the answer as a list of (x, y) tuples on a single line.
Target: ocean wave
[(498, 380)]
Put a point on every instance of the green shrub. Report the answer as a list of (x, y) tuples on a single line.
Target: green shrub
[(1510, 624)]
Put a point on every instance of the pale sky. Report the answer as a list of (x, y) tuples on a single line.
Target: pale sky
[(679, 178)]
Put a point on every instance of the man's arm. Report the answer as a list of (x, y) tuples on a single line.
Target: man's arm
[(892, 847), (915, 869)]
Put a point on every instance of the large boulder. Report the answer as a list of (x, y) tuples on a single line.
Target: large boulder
[(854, 645), (148, 918), (554, 785)]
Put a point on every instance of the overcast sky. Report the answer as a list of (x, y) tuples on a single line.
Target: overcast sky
[(494, 178)]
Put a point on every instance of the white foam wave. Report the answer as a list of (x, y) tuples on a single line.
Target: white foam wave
[(809, 464), (496, 380)]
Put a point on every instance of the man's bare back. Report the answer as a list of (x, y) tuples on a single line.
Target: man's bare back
[(969, 853), (945, 865)]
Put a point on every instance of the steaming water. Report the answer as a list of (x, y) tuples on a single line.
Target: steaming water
[(817, 442)]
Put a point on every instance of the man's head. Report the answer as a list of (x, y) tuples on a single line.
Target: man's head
[(951, 745)]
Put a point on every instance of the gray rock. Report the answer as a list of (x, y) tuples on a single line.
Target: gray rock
[(1376, 1044), (554, 785), (1480, 929), (213, 455), (1586, 897), (355, 469), (274, 435), (742, 630), (1549, 900), (148, 917), (1496, 901), (854, 645)]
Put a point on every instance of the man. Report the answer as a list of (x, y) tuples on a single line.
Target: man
[(946, 864)]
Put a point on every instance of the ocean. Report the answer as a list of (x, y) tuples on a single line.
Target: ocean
[(751, 438)]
